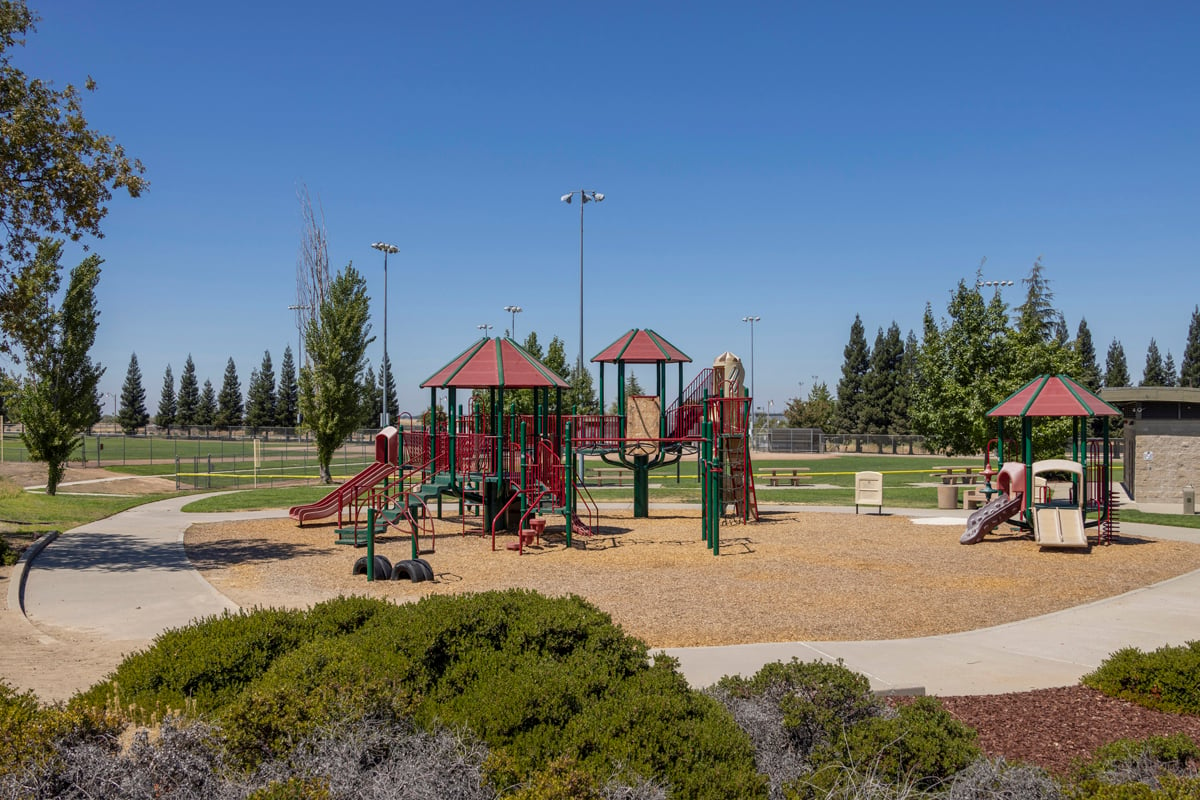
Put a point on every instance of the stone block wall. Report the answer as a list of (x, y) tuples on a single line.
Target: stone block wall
[(1165, 463)]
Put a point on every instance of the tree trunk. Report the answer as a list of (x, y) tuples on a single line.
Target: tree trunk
[(54, 474)]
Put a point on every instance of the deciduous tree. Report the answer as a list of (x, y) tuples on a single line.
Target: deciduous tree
[(57, 398), (59, 173), (337, 340), (132, 414)]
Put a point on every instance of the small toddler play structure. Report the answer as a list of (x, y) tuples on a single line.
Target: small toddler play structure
[(1052, 498), (510, 470)]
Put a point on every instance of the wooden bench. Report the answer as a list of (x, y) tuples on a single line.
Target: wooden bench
[(774, 474), (604, 477)]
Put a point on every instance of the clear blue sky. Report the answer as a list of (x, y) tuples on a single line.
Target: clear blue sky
[(798, 162)]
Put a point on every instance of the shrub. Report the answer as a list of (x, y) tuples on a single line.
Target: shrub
[(787, 709), (1164, 679), (921, 745), (1131, 761), (1170, 787), (985, 779)]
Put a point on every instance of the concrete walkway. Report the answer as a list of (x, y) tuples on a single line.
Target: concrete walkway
[(128, 577)]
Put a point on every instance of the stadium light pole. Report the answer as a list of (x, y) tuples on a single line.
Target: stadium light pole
[(299, 332), (514, 310), (752, 320), (385, 248), (585, 196), (485, 328)]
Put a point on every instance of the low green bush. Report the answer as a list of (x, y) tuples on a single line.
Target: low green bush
[(1165, 679), (1137, 762), (921, 746), (1169, 787)]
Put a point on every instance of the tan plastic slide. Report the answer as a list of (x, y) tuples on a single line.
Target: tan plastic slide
[(1059, 527)]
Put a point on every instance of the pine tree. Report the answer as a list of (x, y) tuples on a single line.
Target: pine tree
[(816, 412), (1170, 376), (386, 378), (882, 403), (1037, 315), (851, 388), (372, 400), (1089, 370), (1153, 374), (229, 401), (187, 409), (132, 414), (285, 409), (167, 409), (206, 409), (908, 377), (581, 397), (1116, 370), (260, 398), (1189, 371)]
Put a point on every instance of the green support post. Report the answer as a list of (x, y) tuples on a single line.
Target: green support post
[(370, 545), (569, 483), (641, 486)]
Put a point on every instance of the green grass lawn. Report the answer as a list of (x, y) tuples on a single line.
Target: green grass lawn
[(1175, 520)]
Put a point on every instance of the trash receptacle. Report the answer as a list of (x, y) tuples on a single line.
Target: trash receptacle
[(1189, 500), (947, 496)]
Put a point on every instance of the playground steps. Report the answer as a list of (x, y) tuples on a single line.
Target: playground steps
[(357, 536)]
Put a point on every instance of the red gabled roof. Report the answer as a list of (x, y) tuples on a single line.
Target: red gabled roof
[(641, 347), (1053, 396), (494, 364)]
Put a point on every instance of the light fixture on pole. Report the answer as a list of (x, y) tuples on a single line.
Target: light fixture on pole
[(385, 248), (585, 196), (514, 310), (998, 284), (485, 328), (752, 320)]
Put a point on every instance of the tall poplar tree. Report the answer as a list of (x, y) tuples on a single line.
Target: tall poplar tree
[(1116, 369), (1189, 370), (57, 400), (337, 338), (188, 406), (165, 417), (132, 414)]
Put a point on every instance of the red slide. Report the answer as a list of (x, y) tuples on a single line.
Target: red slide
[(343, 495)]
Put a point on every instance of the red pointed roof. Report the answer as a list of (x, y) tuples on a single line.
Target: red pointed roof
[(1053, 396), (494, 364), (640, 346)]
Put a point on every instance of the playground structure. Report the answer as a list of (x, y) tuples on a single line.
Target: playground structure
[(1026, 495), (511, 470)]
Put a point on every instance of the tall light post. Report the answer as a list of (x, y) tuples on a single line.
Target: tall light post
[(998, 284), (585, 196), (514, 310), (385, 248), (485, 328), (752, 320)]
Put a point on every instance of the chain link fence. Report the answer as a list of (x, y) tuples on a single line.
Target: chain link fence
[(814, 440)]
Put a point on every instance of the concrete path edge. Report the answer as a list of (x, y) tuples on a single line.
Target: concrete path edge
[(16, 582)]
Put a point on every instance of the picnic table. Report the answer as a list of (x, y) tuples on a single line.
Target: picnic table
[(957, 475), (603, 476), (774, 474)]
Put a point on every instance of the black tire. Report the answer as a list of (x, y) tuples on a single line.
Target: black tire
[(383, 568), (426, 570), (412, 570)]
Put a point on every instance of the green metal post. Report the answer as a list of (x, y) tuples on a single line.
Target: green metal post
[(641, 486), (569, 482), (370, 545)]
